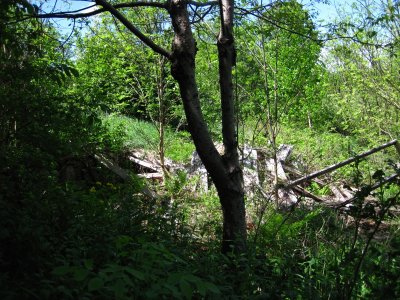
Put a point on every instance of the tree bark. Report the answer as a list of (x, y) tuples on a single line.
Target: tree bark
[(224, 170), (232, 193)]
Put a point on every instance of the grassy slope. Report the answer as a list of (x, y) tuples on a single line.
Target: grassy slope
[(139, 134)]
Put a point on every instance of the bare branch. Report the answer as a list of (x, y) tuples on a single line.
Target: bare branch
[(201, 4), (156, 48), (70, 34), (281, 25), (114, 11), (141, 4), (75, 14), (200, 16)]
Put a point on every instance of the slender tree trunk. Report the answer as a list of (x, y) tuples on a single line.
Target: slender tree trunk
[(224, 170), (162, 118), (232, 196)]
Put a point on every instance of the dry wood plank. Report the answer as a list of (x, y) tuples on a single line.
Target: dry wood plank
[(112, 166), (157, 176), (346, 193), (144, 164), (124, 174), (337, 192), (287, 195), (340, 194)]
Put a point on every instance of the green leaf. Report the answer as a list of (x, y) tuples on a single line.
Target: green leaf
[(95, 284), (119, 289), (135, 273), (201, 288), (112, 268), (80, 274), (60, 271), (186, 289), (212, 287), (88, 264), (127, 280), (173, 289)]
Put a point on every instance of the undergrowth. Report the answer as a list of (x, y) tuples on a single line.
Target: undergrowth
[(104, 240), (108, 242)]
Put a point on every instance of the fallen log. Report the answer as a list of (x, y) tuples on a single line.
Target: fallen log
[(343, 163), (112, 166), (339, 193), (296, 172), (307, 194), (144, 164)]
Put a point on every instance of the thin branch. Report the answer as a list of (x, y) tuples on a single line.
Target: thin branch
[(156, 48), (141, 4), (377, 185), (71, 11), (201, 16), (114, 11), (76, 15), (278, 24), (341, 164), (202, 4), (70, 35)]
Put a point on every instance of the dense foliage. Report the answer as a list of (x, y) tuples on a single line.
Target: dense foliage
[(71, 229)]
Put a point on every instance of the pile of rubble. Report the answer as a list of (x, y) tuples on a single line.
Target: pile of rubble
[(264, 172), (274, 176)]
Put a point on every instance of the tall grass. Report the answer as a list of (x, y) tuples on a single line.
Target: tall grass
[(138, 134)]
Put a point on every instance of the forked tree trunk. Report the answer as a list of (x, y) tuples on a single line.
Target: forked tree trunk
[(224, 170)]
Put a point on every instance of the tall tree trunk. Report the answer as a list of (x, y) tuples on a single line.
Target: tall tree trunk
[(224, 170), (232, 193)]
